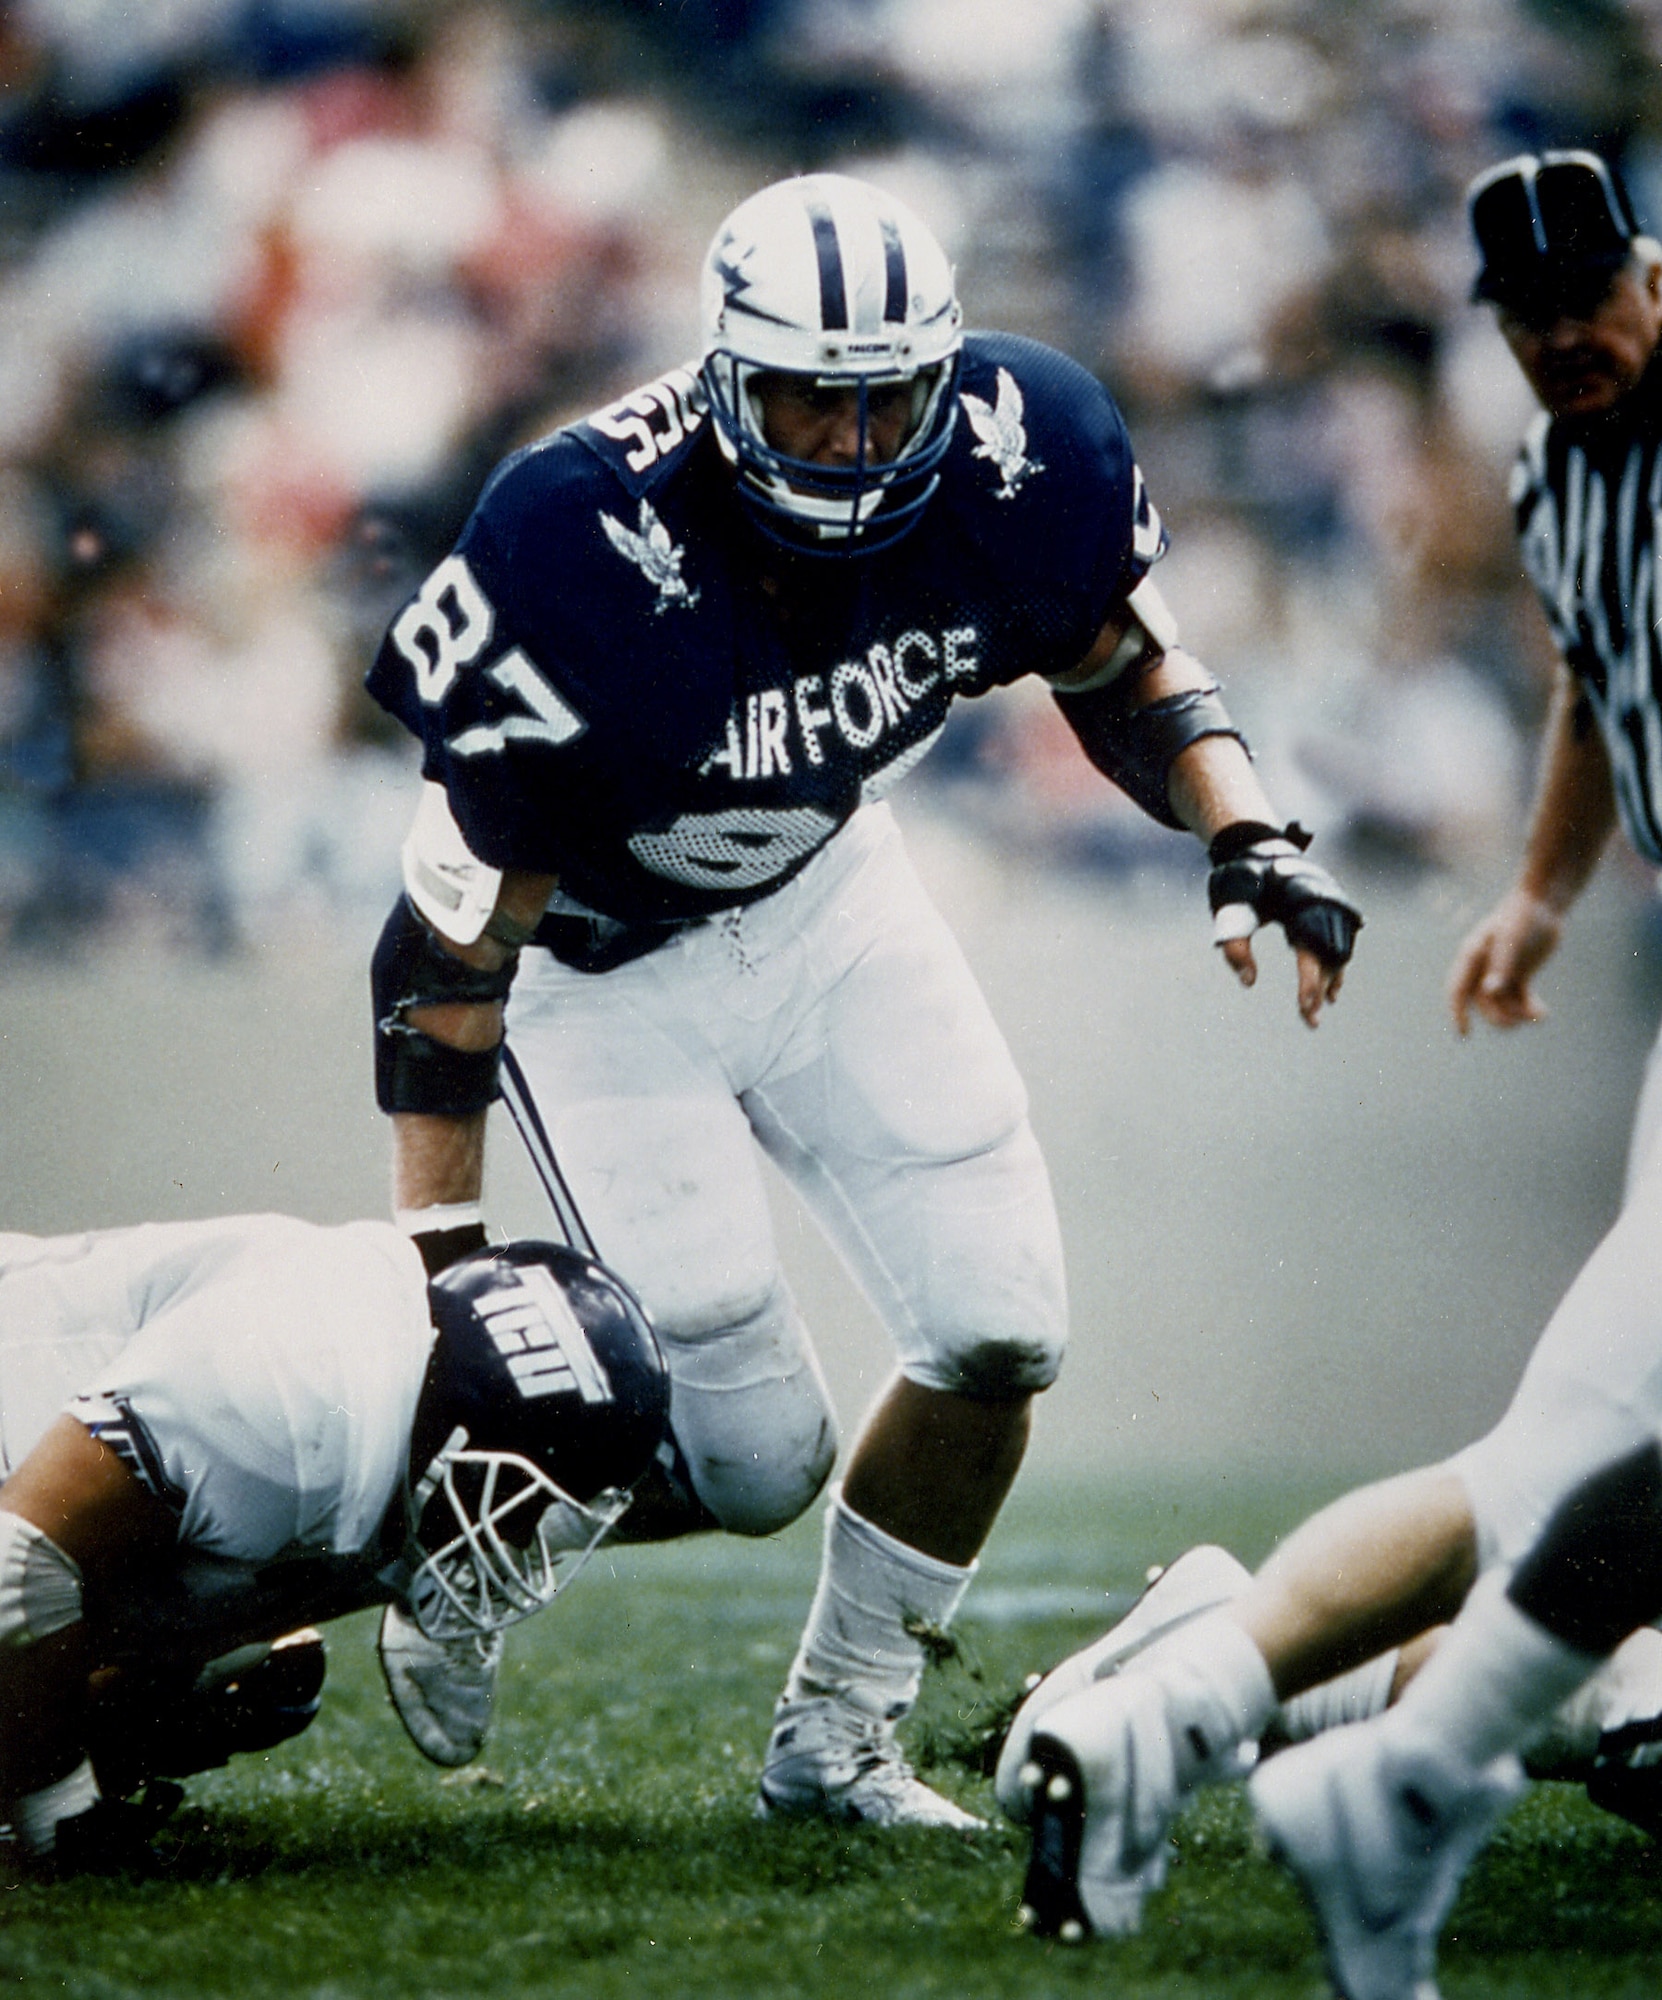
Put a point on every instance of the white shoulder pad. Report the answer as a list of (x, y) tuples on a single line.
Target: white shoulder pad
[(1153, 614), (1151, 618), (451, 887)]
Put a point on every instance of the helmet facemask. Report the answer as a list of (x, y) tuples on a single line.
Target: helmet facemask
[(545, 1400), (844, 509), (492, 1539)]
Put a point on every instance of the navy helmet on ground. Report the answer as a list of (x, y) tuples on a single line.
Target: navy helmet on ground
[(545, 1399)]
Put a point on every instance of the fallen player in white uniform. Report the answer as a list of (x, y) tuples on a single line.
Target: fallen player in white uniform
[(214, 1432)]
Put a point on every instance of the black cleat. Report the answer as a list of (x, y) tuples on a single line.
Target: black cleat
[(268, 1702), (1050, 1905), (113, 1836), (1626, 1778)]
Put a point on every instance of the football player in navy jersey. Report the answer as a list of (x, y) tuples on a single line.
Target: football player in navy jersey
[(677, 657)]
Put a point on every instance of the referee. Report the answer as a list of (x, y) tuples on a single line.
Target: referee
[(1577, 288)]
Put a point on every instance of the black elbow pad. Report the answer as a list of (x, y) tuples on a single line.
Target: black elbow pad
[(413, 1070), (1136, 747)]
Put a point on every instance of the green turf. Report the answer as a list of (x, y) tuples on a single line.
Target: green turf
[(605, 1845)]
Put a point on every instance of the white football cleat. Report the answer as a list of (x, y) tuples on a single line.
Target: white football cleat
[(1200, 1580), (1080, 1880), (443, 1689), (827, 1759), (1108, 1770), (1379, 1829)]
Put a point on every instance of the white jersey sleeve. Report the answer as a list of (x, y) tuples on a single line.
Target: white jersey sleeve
[(269, 1368)]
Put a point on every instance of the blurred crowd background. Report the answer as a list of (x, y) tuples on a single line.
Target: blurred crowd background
[(281, 279)]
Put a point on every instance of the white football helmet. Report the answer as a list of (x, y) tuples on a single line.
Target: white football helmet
[(827, 278)]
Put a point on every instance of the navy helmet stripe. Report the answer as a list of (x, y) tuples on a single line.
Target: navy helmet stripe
[(894, 265), (833, 300)]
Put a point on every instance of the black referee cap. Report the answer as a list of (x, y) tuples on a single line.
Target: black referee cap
[(1552, 228)]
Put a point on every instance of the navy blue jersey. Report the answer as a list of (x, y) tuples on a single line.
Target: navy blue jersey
[(617, 681)]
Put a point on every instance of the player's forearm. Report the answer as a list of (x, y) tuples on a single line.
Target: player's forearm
[(1211, 784), (1160, 731), (437, 1161), (1574, 812), (439, 1010)]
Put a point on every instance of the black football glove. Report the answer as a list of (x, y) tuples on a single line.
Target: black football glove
[(1260, 876)]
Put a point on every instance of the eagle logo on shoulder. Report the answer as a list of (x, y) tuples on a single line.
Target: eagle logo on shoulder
[(653, 552), (1003, 435)]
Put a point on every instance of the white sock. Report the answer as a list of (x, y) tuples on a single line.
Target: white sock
[(1494, 1679), (1349, 1697), (856, 1644)]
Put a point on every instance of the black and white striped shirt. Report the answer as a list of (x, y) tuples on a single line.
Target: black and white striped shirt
[(1586, 497)]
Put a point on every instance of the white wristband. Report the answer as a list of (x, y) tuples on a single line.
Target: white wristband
[(35, 1816), (441, 1215), (1234, 920)]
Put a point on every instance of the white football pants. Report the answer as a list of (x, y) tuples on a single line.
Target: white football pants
[(1592, 1390), (1644, 1149), (835, 1025), (1591, 1393)]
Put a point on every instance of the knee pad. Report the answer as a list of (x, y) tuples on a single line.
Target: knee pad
[(40, 1586), (753, 1417), (986, 1312)]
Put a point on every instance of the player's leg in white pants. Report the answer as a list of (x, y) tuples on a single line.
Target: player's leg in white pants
[(836, 1023), (901, 1119), (659, 1156), (1590, 1394), (1590, 1398), (897, 1112)]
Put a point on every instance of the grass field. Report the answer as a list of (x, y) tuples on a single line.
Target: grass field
[(604, 1846)]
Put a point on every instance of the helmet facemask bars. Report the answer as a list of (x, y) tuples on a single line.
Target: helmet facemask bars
[(493, 1539)]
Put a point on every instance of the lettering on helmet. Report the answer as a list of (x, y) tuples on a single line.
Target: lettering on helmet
[(542, 1340)]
